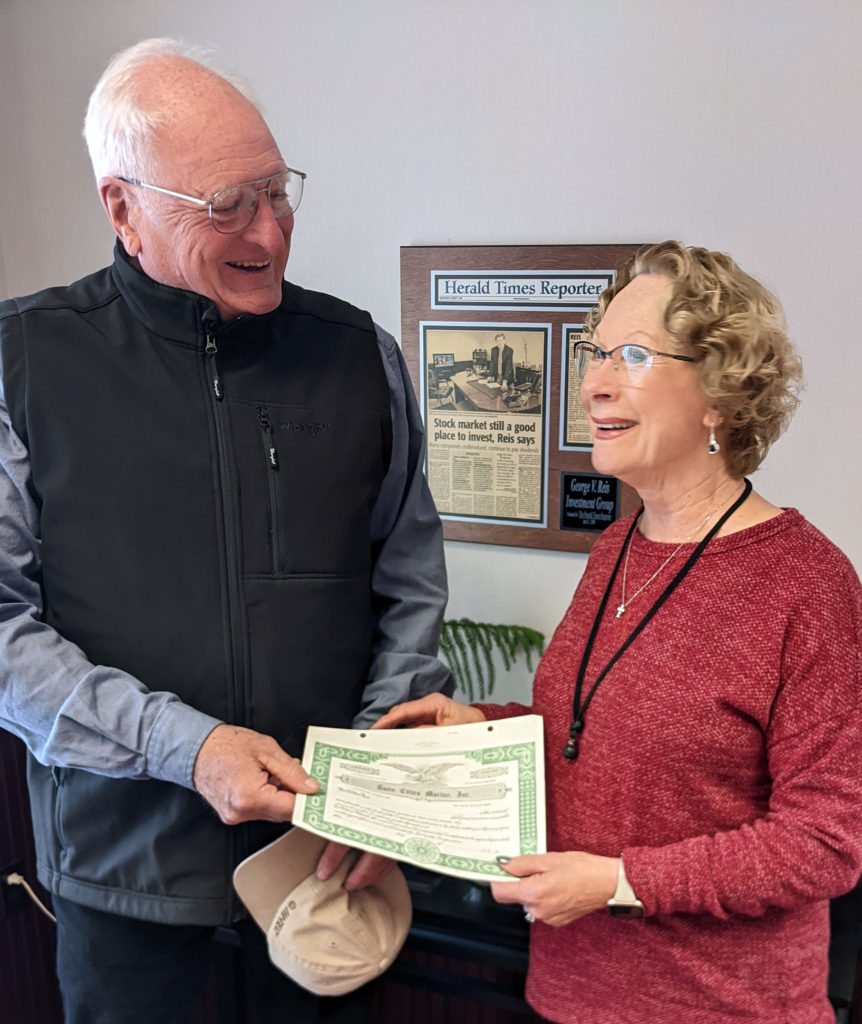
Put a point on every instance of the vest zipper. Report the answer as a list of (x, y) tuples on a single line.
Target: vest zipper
[(231, 533), (58, 777), (238, 653), (270, 454), (212, 365)]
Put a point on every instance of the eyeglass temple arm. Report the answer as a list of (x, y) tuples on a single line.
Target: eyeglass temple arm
[(165, 191)]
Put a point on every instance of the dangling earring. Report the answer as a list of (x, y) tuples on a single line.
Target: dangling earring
[(713, 447)]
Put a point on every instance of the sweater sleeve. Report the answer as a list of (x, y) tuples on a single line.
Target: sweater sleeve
[(494, 712), (808, 844)]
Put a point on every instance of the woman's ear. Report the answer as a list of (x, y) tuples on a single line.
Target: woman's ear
[(122, 208), (712, 419)]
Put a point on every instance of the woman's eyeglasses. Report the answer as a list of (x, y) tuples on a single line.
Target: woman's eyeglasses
[(635, 359)]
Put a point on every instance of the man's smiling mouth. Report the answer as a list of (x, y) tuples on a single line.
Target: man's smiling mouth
[(249, 264)]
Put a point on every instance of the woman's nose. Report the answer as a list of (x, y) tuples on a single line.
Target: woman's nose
[(601, 377)]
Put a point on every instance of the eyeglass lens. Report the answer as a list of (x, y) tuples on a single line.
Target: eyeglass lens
[(234, 208), (635, 358)]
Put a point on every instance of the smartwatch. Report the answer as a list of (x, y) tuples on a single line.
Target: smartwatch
[(624, 903)]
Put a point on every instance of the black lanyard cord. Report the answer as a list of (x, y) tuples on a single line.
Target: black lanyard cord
[(570, 750)]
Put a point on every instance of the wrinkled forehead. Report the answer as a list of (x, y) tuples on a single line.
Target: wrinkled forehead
[(206, 126)]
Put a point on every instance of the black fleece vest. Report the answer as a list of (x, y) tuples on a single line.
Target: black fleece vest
[(205, 493)]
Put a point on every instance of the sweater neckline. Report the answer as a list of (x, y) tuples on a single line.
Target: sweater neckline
[(785, 520)]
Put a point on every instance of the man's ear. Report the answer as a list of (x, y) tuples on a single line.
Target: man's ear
[(122, 208)]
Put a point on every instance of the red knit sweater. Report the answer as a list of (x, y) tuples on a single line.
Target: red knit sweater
[(722, 756)]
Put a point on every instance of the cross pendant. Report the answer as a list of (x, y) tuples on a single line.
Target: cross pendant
[(620, 609)]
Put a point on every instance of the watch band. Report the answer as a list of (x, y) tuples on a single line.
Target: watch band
[(624, 902)]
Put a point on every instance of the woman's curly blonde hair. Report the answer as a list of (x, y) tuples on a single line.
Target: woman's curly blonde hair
[(735, 329)]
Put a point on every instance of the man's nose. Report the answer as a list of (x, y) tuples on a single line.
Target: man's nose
[(265, 228)]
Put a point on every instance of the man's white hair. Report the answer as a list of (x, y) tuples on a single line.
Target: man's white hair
[(117, 127)]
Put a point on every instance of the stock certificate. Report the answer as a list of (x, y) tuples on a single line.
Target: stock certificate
[(449, 799)]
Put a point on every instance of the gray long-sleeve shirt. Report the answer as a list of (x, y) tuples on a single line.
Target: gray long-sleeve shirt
[(73, 713)]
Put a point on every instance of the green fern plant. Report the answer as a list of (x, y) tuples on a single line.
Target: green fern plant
[(469, 649)]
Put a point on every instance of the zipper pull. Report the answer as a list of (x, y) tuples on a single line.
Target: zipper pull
[(212, 351), (268, 438)]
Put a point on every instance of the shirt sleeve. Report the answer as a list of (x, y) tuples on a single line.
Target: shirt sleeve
[(68, 711), (808, 844), (409, 577)]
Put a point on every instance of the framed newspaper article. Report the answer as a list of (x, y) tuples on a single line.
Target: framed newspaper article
[(487, 333)]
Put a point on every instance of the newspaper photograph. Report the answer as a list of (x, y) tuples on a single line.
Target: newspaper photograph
[(484, 406)]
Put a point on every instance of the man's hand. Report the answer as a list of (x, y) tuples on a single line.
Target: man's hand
[(558, 888), (368, 869), (246, 776), (435, 709)]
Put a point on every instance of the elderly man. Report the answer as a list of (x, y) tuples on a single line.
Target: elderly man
[(215, 531)]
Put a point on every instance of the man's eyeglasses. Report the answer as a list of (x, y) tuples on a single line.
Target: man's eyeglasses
[(233, 209), (637, 359)]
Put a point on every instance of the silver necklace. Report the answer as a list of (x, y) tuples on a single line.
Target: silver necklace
[(621, 607)]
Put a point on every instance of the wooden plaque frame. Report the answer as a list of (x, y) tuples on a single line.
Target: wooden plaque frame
[(417, 264)]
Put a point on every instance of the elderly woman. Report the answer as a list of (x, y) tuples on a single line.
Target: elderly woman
[(701, 696)]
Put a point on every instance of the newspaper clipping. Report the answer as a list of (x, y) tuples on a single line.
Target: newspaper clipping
[(574, 424), (484, 403)]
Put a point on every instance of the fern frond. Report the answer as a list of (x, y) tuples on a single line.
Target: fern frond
[(469, 649)]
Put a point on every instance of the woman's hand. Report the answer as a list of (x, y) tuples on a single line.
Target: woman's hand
[(558, 888), (368, 869), (435, 709)]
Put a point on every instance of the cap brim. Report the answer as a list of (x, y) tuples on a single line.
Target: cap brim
[(264, 879)]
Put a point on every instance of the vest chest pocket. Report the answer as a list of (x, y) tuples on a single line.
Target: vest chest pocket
[(307, 479)]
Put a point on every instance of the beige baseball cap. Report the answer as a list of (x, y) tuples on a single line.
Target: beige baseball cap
[(324, 938)]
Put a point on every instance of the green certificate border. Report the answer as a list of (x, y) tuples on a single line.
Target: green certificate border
[(423, 852)]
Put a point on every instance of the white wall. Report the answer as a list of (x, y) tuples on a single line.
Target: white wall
[(733, 124)]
